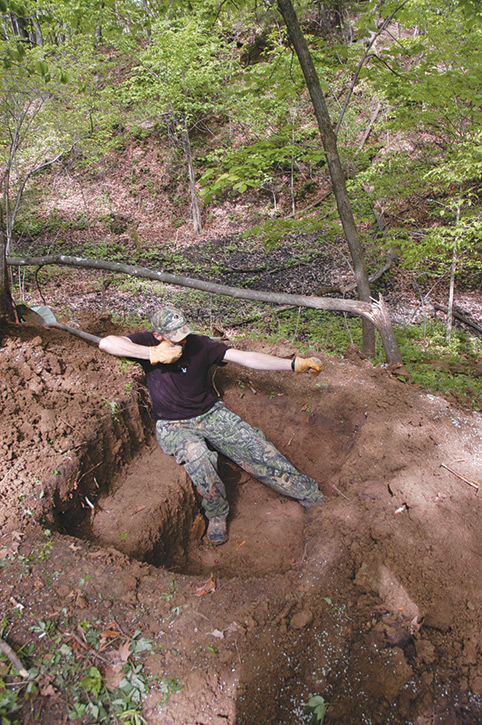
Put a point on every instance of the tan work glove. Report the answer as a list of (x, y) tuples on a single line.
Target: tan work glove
[(165, 353), (309, 365)]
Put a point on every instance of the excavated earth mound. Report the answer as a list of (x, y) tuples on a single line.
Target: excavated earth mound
[(371, 600)]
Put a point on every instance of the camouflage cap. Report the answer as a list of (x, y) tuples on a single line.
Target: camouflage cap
[(170, 322)]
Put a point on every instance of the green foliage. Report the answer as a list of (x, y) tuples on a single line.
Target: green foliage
[(254, 165), (330, 332), (30, 225), (273, 232), (43, 118), (77, 680), (275, 114), (172, 591), (42, 22), (442, 367), (192, 71), (434, 364), (317, 707), (432, 79), (183, 72)]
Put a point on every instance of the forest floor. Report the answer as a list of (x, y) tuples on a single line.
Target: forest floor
[(370, 600)]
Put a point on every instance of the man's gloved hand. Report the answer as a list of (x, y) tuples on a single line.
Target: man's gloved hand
[(165, 353), (309, 365)]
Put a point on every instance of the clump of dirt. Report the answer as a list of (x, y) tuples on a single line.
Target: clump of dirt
[(370, 600)]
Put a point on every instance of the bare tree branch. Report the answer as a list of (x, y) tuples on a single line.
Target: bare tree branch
[(8, 651)]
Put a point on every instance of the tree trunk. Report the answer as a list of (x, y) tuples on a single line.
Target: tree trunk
[(334, 165), (37, 38), (453, 269), (196, 214), (450, 305), (7, 305), (375, 312)]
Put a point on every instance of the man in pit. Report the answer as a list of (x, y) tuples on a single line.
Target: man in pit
[(193, 424)]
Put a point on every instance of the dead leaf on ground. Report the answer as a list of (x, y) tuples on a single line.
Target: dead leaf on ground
[(206, 588), (49, 690), (81, 634), (110, 633), (16, 604), (217, 633), (8, 552), (416, 623), (117, 659), (113, 675), (233, 628), (10, 544), (74, 643), (124, 651)]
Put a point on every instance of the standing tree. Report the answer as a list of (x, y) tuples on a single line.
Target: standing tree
[(182, 77), (333, 160), (270, 116)]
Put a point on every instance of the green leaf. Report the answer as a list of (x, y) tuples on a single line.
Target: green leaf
[(41, 67), (93, 682)]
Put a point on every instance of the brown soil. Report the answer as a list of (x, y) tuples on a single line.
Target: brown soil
[(371, 600)]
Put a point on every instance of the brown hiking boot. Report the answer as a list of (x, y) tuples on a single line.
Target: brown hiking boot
[(217, 532), (314, 500)]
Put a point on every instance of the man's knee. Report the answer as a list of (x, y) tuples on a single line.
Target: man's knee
[(194, 451)]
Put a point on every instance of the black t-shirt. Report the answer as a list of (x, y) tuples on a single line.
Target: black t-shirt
[(180, 390)]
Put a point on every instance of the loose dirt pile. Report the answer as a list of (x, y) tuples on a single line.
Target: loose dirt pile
[(371, 600)]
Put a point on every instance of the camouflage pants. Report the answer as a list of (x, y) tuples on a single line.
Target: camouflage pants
[(230, 435)]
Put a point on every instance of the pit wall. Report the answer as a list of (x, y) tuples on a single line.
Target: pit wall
[(89, 469)]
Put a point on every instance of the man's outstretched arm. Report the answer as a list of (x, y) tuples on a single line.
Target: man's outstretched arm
[(256, 360), (123, 347), (165, 352), (263, 361)]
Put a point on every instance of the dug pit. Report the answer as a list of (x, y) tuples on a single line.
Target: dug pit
[(149, 510)]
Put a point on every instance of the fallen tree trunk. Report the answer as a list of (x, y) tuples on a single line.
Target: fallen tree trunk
[(458, 316), (375, 312)]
